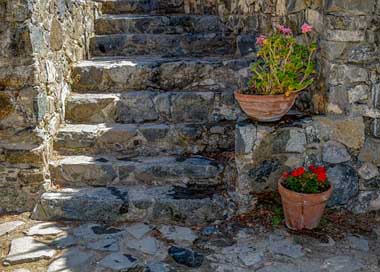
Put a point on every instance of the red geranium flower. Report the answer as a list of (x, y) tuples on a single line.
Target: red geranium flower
[(322, 177), (298, 172), (321, 174), (285, 175), (320, 171)]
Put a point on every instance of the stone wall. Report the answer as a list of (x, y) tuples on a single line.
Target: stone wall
[(346, 138), (39, 41)]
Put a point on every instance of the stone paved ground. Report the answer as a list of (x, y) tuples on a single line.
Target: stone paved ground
[(27, 245)]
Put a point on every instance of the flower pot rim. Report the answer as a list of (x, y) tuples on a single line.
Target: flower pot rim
[(237, 92), (327, 192)]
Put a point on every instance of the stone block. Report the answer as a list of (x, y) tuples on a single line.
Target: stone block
[(315, 19), (375, 128), (352, 23), (137, 107), (338, 100), (293, 6), (365, 202), (346, 74), (246, 45), (56, 35), (358, 94), (375, 95), (335, 152), (347, 130), (292, 140), (345, 35), (370, 151), (346, 184), (245, 138), (192, 106), (362, 54), (351, 7)]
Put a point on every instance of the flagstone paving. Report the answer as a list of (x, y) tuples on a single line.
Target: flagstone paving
[(225, 247)]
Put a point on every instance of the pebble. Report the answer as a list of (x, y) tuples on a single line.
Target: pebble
[(358, 243), (63, 241), (107, 244), (44, 229), (342, 264), (368, 171), (138, 230), (186, 256), (251, 256), (180, 235), (26, 249), (7, 227), (71, 260), (156, 267), (280, 267), (209, 230), (147, 245), (286, 247), (119, 262)]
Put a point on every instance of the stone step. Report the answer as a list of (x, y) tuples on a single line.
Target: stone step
[(166, 45), (151, 106), (142, 6), (169, 74), (163, 204), (104, 170), (147, 24), (145, 139)]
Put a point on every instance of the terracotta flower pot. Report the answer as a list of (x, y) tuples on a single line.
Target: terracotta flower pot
[(265, 108), (303, 210)]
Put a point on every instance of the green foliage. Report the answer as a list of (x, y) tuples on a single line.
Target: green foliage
[(278, 216), (284, 66), (307, 181)]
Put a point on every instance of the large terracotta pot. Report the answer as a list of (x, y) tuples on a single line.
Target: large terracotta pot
[(265, 108), (303, 210)]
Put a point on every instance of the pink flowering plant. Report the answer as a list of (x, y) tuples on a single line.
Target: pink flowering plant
[(285, 65)]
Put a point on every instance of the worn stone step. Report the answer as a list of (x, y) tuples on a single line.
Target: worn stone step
[(104, 170), (163, 204), (166, 45), (148, 24), (151, 106), (142, 6), (169, 74), (145, 139)]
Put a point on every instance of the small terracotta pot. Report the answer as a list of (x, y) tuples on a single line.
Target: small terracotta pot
[(303, 211), (265, 108)]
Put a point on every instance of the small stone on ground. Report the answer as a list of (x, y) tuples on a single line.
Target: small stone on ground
[(45, 229), (9, 226), (26, 249)]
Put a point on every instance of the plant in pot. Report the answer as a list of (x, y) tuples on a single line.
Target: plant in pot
[(285, 66), (304, 194)]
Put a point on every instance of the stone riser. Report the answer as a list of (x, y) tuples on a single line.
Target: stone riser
[(171, 45), (174, 24), (82, 171), (142, 73), (142, 6), (149, 106), (119, 204), (144, 140)]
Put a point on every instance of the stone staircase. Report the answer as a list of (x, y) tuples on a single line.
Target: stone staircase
[(154, 100)]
